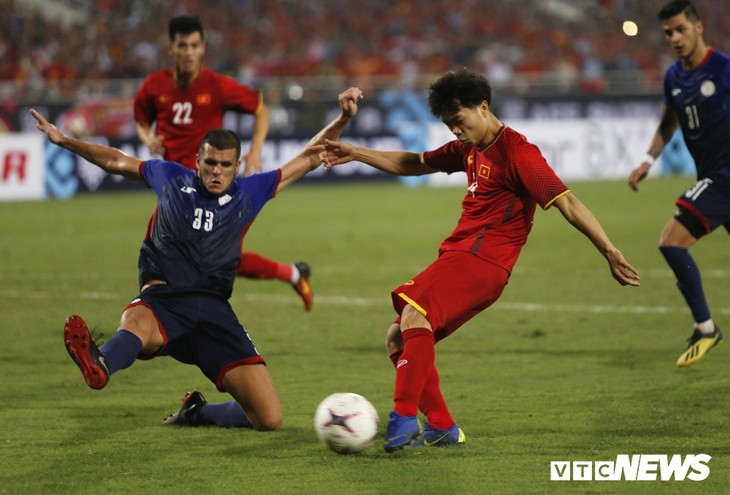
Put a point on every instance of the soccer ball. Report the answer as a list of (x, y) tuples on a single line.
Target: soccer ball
[(346, 423)]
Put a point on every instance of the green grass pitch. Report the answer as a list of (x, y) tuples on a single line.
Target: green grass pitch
[(568, 365)]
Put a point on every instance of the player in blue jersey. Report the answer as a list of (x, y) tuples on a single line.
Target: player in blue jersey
[(187, 266), (696, 98)]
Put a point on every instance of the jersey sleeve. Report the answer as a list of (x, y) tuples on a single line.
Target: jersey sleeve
[(725, 74), (667, 96), (448, 158), (157, 172), (144, 109), (260, 187), (537, 177), (240, 98)]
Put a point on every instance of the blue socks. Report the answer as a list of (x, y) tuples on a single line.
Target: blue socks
[(121, 350), (226, 414), (688, 280)]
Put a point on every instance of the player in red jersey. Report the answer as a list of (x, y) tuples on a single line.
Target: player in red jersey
[(507, 178), (186, 101)]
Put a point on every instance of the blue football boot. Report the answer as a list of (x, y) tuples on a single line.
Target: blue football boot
[(401, 431)]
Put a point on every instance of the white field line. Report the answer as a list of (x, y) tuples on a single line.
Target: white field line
[(385, 302), (667, 273)]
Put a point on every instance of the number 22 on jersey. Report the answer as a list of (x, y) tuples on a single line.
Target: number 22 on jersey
[(182, 111)]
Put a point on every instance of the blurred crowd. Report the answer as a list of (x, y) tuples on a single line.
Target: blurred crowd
[(521, 45)]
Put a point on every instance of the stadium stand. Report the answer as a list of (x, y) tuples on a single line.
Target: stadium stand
[(553, 47)]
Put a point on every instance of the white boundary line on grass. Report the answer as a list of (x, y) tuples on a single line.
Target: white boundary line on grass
[(507, 306), (385, 302)]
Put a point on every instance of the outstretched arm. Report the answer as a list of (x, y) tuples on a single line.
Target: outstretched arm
[(392, 162), (111, 160), (252, 159), (667, 125), (149, 139), (582, 219), (309, 159)]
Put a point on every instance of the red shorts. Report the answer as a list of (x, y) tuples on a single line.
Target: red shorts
[(452, 290)]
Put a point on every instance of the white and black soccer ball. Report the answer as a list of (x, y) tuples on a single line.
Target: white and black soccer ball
[(347, 423)]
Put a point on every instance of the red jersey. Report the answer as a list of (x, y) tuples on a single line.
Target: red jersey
[(184, 115), (505, 182)]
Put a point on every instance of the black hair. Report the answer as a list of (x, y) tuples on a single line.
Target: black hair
[(185, 24), (460, 89), (221, 139), (676, 7)]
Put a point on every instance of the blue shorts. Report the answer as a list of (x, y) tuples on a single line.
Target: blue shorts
[(199, 328), (706, 205)]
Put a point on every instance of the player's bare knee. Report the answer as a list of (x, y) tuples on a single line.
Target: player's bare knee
[(412, 318), (677, 234), (140, 321), (270, 423), (393, 339)]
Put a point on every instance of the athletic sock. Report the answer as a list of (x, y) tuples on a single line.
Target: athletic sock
[(121, 350), (226, 414), (395, 357), (253, 265), (432, 402), (295, 275), (705, 327), (412, 369), (689, 281)]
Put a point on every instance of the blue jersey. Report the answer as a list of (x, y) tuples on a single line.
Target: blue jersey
[(701, 98), (194, 239)]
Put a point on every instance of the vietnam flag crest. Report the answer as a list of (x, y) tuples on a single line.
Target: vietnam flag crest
[(204, 99)]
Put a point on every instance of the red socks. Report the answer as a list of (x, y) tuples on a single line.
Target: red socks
[(431, 401), (253, 265), (412, 369)]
